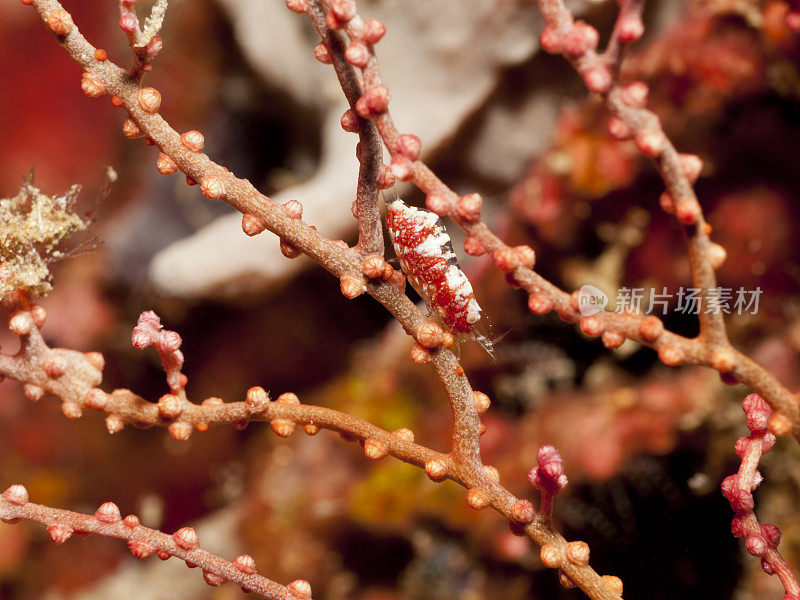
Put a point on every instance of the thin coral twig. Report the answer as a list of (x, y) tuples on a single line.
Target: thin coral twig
[(627, 28), (144, 542), (74, 378), (149, 332), (368, 151), (145, 45), (760, 540), (548, 476), (577, 41)]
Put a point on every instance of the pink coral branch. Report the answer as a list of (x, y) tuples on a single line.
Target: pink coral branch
[(144, 45), (760, 540), (549, 477), (150, 332), (627, 28), (144, 542)]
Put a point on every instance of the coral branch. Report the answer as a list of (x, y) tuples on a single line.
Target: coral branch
[(548, 477), (149, 332), (146, 44), (578, 40), (67, 374), (144, 542), (760, 540), (75, 377), (368, 151), (628, 28), (183, 152)]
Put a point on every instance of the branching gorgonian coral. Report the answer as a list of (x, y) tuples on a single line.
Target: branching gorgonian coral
[(347, 43)]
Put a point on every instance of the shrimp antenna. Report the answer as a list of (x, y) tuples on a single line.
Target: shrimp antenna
[(485, 343), (392, 193)]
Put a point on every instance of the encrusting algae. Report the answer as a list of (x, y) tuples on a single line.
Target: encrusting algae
[(32, 225)]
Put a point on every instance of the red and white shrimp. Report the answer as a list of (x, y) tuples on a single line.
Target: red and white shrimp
[(428, 261)]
